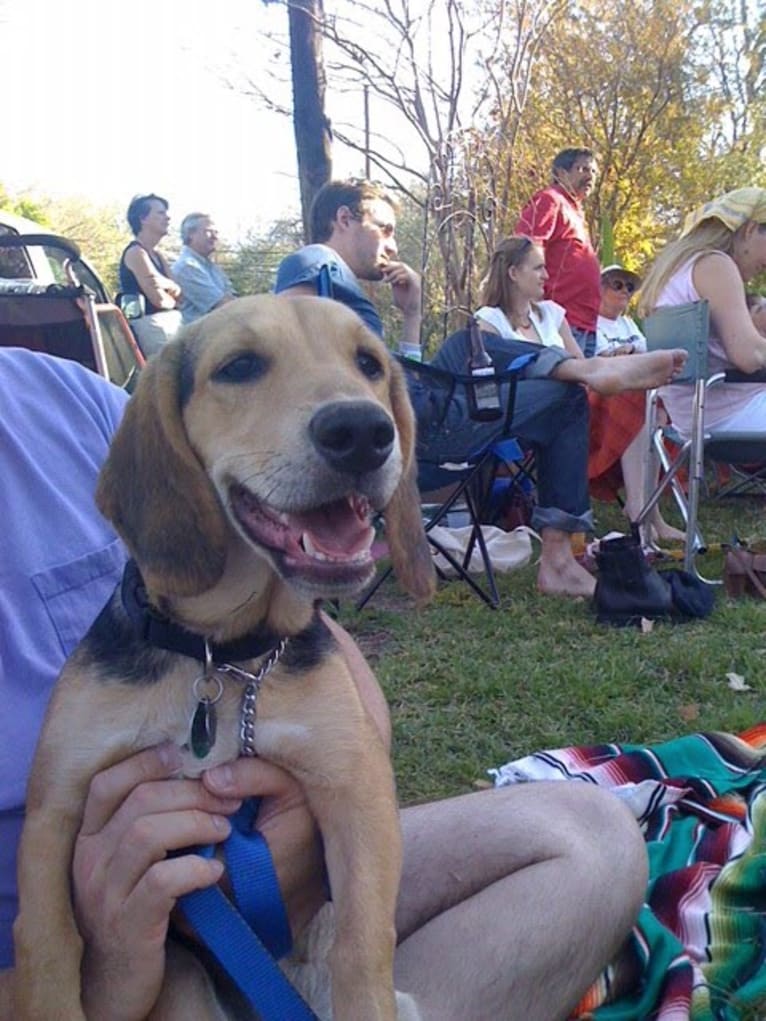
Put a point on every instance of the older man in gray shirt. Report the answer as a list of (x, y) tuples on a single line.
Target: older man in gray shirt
[(204, 285)]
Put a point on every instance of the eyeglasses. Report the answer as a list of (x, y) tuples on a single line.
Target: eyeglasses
[(619, 285)]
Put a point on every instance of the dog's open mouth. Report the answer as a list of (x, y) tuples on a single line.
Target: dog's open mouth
[(329, 544)]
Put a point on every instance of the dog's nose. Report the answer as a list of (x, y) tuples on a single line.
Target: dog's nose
[(353, 436)]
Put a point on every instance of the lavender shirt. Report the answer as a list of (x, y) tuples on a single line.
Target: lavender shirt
[(60, 560)]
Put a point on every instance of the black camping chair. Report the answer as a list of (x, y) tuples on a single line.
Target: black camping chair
[(462, 439)]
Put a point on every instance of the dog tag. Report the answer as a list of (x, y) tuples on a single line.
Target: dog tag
[(205, 719), (203, 728)]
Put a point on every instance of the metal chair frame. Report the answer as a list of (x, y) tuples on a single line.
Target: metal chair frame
[(688, 326)]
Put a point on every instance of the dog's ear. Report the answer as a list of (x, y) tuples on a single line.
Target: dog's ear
[(407, 542), (155, 491)]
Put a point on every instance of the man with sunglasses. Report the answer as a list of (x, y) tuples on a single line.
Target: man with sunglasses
[(554, 219), (353, 240), (616, 332)]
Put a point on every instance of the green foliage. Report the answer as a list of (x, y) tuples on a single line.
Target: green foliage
[(23, 205), (252, 264)]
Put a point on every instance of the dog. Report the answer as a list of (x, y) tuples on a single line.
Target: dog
[(243, 480)]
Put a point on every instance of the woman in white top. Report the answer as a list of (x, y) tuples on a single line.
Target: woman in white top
[(721, 247), (513, 307), (512, 295), (616, 332)]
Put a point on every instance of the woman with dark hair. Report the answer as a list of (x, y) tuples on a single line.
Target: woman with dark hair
[(549, 416), (513, 307), (145, 275)]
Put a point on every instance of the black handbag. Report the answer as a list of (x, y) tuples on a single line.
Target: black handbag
[(629, 588)]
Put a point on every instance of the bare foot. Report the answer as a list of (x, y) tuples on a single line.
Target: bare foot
[(637, 372), (661, 531), (564, 578)]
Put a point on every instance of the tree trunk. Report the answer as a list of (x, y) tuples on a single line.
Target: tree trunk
[(313, 136)]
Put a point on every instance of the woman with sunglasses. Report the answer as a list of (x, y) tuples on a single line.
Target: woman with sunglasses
[(618, 436), (616, 332)]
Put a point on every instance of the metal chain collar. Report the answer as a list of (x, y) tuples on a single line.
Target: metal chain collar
[(250, 695)]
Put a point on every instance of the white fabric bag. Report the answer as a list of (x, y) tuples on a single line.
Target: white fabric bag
[(507, 550)]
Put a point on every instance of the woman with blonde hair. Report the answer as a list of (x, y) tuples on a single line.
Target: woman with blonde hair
[(721, 247)]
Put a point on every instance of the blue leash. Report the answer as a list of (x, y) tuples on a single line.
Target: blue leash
[(249, 938)]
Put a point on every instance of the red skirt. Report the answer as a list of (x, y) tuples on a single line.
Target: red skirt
[(614, 423)]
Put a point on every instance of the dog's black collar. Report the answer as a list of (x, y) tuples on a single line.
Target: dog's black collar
[(163, 633)]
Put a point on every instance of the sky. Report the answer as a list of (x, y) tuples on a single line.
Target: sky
[(106, 100)]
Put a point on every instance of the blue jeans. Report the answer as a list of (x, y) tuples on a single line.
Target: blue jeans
[(549, 417)]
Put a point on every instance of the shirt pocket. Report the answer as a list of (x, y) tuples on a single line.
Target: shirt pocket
[(74, 593)]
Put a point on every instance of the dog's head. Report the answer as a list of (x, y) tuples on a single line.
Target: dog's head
[(283, 421)]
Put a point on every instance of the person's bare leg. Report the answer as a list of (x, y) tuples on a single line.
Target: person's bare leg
[(559, 574), (513, 900), (613, 375), (633, 464)]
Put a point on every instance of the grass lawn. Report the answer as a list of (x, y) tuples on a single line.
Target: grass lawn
[(470, 688)]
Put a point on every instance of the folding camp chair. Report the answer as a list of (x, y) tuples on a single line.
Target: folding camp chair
[(688, 326), (457, 460)]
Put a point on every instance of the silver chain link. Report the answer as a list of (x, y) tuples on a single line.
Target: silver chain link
[(250, 695)]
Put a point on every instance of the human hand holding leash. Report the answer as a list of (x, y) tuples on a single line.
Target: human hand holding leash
[(125, 886), (288, 826)]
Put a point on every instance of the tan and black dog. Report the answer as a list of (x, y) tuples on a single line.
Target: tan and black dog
[(242, 479)]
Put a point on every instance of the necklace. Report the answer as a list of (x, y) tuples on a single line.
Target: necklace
[(519, 324)]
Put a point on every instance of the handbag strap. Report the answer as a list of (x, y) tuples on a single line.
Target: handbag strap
[(747, 567)]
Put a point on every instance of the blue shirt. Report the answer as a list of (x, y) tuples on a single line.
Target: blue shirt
[(305, 267), (202, 283), (60, 559)]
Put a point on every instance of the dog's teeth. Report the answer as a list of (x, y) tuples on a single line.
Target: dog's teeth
[(310, 548)]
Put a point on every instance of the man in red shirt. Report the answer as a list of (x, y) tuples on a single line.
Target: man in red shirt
[(554, 219)]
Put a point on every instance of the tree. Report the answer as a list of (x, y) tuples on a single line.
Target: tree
[(313, 137), (22, 205), (668, 93), (617, 80)]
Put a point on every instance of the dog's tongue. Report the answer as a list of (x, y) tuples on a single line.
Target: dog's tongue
[(341, 527)]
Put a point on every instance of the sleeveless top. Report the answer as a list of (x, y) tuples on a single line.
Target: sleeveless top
[(546, 322), (128, 282), (722, 400)]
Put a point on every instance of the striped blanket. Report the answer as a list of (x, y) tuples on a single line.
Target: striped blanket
[(698, 949)]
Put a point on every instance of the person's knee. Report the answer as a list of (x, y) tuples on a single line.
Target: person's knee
[(608, 846)]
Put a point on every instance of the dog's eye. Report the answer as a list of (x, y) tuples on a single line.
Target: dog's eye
[(369, 364), (242, 369)]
